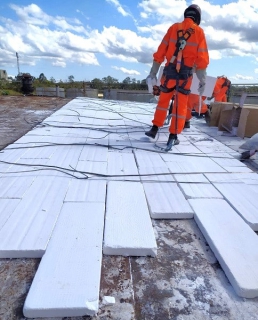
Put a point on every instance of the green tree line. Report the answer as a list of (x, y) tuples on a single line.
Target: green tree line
[(15, 84)]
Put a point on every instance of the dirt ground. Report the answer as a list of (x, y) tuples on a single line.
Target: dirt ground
[(19, 114), (184, 281)]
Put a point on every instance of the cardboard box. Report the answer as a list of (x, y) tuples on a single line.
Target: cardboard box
[(225, 115), (229, 118), (216, 109), (248, 121)]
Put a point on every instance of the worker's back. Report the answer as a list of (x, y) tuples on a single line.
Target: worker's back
[(221, 88)]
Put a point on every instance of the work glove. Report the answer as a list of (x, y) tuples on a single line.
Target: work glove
[(153, 72), (194, 68), (156, 91), (201, 75)]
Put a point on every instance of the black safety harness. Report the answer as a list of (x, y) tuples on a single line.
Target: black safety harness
[(226, 83), (176, 69)]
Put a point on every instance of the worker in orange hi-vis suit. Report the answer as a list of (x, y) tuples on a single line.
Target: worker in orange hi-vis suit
[(222, 86), (193, 104), (184, 47)]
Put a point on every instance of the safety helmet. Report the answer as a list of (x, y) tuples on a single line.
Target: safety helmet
[(193, 12)]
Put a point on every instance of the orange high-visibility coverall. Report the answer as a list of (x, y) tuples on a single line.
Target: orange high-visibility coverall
[(220, 90), (194, 53), (193, 104)]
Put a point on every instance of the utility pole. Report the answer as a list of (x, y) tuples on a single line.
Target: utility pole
[(25, 79), (18, 63)]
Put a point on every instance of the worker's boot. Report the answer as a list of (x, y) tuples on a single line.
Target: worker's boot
[(152, 132), (172, 139), (187, 125), (207, 116)]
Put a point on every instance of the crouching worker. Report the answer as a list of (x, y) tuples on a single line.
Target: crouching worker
[(221, 89), (193, 104), (183, 46)]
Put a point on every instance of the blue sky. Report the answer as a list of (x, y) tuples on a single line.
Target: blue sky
[(98, 38)]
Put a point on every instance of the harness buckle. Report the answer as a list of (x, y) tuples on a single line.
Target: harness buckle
[(182, 44)]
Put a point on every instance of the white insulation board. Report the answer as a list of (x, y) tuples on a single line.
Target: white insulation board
[(200, 190), (233, 242), (128, 226), (166, 201), (244, 200), (26, 232), (68, 278)]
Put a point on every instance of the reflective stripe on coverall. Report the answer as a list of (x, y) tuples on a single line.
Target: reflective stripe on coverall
[(194, 53), (193, 104)]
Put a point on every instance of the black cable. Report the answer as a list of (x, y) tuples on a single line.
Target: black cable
[(41, 167), (116, 147), (87, 173)]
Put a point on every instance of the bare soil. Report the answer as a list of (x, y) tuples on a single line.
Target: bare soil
[(19, 114)]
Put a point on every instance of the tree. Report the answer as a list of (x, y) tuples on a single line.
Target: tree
[(127, 80), (71, 79), (110, 82), (53, 80), (42, 77), (96, 84)]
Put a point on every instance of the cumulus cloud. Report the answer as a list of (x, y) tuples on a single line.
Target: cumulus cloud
[(59, 63), (163, 11), (126, 71), (241, 77), (33, 36), (31, 14), (230, 31), (126, 45), (228, 27)]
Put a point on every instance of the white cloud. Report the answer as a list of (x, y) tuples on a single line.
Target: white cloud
[(119, 7), (228, 28), (230, 32), (36, 41), (59, 63), (215, 55), (32, 14), (241, 77), (164, 11), (82, 13), (62, 23), (126, 71)]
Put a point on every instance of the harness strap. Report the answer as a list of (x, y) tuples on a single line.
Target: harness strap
[(180, 89), (226, 83), (182, 37)]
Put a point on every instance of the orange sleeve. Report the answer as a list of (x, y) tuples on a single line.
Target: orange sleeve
[(160, 54), (202, 60), (167, 46)]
